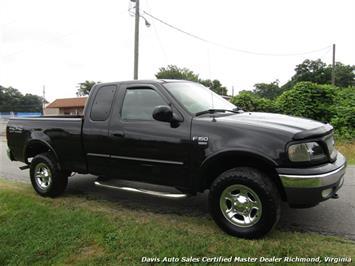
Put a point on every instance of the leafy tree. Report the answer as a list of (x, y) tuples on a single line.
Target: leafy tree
[(344, 75), (85, 87), (319, 72), (11, 100), (215, 85), (268, 90), (174, 72), (309, 100), (249, 101)]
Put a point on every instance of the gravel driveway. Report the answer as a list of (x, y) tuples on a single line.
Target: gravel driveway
[(333, 217)]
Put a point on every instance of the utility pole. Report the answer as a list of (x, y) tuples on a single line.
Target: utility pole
[(43, 99), (333, 66), (136, 40)]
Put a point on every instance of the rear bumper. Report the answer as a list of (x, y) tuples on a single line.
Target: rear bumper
[(309, 186), (9, 154)]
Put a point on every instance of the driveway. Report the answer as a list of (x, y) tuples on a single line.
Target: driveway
[(332, 217)]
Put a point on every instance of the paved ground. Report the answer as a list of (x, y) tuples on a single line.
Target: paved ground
[(334, 217)]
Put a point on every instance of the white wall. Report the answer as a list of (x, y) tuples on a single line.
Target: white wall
[(51, 111)]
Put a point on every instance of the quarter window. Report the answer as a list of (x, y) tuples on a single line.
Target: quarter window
[(139, 104), (102, 103)]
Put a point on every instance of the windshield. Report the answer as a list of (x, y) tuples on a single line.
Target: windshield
[(196, 97)]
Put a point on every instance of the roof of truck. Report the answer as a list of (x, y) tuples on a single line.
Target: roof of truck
[(144, 81)]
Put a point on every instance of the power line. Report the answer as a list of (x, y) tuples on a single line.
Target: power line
[(230, 47)]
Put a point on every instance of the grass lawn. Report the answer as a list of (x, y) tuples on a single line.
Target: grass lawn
[(75, 230), (348, 149)]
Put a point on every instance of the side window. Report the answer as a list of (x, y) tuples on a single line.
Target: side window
[(101, 106), (139, 104)]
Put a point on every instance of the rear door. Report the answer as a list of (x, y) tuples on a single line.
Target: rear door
[(145, 149), (95, 129)]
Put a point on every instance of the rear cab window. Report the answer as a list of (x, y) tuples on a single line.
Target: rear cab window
[(102, 103)]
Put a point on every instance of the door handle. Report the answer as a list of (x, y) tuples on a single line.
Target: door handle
[(119, 134)]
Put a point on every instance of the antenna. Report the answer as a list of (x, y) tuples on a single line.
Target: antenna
[(213, 116), (212, 98)]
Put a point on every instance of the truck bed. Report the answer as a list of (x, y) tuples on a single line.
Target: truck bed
[(61, 133)]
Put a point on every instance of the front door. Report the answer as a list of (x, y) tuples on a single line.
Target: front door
[(144, 149)]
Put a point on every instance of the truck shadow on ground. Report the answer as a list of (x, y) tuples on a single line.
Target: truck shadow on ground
[(196, 206)]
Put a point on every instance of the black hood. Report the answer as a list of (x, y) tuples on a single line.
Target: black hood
[(299, 128)]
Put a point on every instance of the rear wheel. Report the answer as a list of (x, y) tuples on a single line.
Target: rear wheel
[(46, 178), (244, 202)]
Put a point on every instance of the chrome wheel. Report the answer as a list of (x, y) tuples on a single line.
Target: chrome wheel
[(43, 176), (240, 205)]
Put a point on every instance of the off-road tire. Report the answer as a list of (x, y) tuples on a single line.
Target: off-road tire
[(264, 189), (58, 179)]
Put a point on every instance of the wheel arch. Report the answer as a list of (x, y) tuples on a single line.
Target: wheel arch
[(35, 147), (225, 160)]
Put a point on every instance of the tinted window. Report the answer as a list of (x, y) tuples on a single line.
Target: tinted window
[(139, 104), (102, 103), (196, 97)]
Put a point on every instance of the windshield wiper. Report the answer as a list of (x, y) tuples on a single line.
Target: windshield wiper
[(212, 111)]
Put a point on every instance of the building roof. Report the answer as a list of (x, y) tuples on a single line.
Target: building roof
[(68, 102)]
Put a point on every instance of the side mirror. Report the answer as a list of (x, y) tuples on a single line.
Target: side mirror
[(163, 113)]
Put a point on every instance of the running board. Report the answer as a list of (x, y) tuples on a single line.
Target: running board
[(24, 167), (144, 191)]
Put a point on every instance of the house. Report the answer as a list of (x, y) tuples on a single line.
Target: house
[(66, 106)]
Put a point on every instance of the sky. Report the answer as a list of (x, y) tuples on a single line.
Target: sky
[(60, 43)]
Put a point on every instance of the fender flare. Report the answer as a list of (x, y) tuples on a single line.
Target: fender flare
[(246, 152), (41, 142), (213, 158)]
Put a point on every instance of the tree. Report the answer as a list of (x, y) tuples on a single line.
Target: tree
[(319, 72), (344, 75), (214, 85), (11, 100), (85, 87), (268, 90), (174, 72)]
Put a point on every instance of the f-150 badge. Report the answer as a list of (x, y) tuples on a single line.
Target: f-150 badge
[(200, 140)]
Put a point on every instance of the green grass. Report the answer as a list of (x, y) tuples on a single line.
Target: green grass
[(75, 230), (347, 148)]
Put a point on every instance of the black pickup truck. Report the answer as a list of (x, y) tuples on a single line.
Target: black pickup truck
[(180, 135)]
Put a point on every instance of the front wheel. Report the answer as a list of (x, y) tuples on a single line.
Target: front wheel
[(244, 202), (46, 178)]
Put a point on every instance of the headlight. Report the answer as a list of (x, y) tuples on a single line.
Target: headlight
[(306, 152)]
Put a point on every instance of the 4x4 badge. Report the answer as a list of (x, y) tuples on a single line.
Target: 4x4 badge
[(200, 140)]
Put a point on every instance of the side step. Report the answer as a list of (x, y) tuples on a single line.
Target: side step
[(144, 191), (24, 167)]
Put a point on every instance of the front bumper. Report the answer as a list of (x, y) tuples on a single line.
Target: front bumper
[(308, 186)]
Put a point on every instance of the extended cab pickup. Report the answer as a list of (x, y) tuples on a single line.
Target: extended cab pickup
[(179, 134)]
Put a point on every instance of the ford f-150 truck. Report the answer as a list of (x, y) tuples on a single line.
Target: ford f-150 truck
[(180, 135)]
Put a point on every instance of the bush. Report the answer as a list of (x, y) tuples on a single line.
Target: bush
[(309, 100), (344, 113), (249, 101)]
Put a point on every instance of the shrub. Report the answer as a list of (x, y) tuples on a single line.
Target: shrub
[(249, 101), (309, 100), (344, 113)]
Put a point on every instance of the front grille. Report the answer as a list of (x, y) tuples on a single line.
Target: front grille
[(331, 146)]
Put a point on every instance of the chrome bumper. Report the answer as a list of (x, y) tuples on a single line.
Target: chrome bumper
[(313, 181)]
